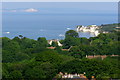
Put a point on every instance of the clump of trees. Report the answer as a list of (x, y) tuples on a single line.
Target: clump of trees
[(26, 58), (103, 44), (92, 67)]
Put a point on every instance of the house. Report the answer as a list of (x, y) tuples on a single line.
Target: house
[(101, 56), (96, 56), (53, 40)]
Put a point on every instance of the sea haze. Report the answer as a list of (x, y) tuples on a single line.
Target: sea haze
[(52, 22)]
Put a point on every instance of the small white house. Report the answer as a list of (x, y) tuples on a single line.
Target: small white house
[(50, 42)]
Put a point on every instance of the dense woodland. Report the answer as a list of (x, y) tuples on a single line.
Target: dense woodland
[(30, 59)]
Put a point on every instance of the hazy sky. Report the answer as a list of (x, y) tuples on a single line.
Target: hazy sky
[(61, 1), (66, 7)]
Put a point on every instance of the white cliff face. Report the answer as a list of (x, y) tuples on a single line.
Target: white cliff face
[(79, 28), (85, 29), (91, 28), (97, 33)]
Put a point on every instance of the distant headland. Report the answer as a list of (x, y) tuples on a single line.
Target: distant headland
[(106, 28)]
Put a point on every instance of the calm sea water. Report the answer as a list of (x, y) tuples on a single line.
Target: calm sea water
[(51, 26)]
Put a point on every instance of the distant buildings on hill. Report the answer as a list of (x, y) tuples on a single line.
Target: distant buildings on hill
[(99, 56), (76, 76), (73, 76)]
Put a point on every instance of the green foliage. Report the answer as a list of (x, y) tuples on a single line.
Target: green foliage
[(71, 39), (15, 75), (109, 27), (11, 46), (71, 33), (5, 73), (17, 39), (54, 44), (58, 49), (34, 73), (48, 56), (42, 41), (108, 37), (76, 52), (4, 41), (91, 67), (84, 41), (49, 69), (27, 58), (97, 42)]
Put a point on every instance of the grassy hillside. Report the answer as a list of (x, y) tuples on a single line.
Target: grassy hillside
[(110, 27)]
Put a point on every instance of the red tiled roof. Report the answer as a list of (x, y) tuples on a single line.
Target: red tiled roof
[(65, 49), (51, 47), (96, 56)]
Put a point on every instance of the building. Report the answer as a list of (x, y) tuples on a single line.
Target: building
[(96, 56), (99, 56), (54, 40), (73, 76)]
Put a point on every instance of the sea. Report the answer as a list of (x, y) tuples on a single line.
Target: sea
[(51, 26)]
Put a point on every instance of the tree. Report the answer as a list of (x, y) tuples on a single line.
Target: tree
[(49, 69), (91, 67), (71, 41), (76, 52), (71, 33), (84, 41), (58, 49), (10, 49), (5, 73), (48, 56), (97, 42), (42, 41), (17, 39), (5, 40), (16, 75), (35, 73), (54, 44), (27, 43)]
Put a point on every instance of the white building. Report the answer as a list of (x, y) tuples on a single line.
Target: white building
[(50, 42)]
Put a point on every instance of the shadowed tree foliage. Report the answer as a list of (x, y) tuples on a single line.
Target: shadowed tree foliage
[(98, 68), (42, 41), (24, 58), (71, 33)]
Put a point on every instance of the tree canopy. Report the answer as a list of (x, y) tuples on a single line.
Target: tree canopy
[(24, 58)]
